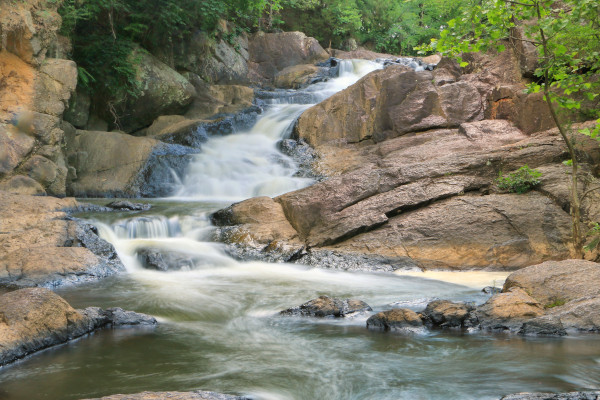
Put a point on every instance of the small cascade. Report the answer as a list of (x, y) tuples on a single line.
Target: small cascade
[(248, 164)]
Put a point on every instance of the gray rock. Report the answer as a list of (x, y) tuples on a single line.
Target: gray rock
[(592, 395), (124, 205), (325, 306), (166, 260), (196, 395)]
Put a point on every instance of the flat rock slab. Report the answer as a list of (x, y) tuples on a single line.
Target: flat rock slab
[(40, 245), (197, 395), (33, 319)]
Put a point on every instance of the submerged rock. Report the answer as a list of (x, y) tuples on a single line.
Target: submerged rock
[(124, 205), (36, 318), (196, 395), (325, 306), (398, 319), (168, 260), (592, 395)]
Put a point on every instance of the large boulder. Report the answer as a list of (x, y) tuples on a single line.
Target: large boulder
[(162, 91), (389, 103), (509, 310), (447, 314), (325, 306), (271, 53), (120, 165), (36, 318), (297, 76), (557, 281), (39, 246), (436, 188)]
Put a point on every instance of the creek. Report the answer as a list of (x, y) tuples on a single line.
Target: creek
[(219, 324)]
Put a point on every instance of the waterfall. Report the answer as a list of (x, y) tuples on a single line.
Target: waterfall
[(248, 164)]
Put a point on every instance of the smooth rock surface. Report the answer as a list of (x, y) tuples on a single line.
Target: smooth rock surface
[(447, 314), (508, 310)]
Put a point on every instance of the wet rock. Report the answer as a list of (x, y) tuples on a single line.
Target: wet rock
[(213, 100), (557, 281), (508, 310), (167, 260), (271, 53), (491, 290), (124, 205), (258, 224), (36, 318), (41, 246), (543, 326), (398, 319), (304, 156), (196, 395), (325, 306), (447, 314), (554, 396)]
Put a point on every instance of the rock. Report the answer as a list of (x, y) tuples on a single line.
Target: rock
[(124, 205), (325, 306), (543, 326), (557, 281), (258, 223), (432, 59), (389, 103), (196, 395), (36, 318), (578, 315), (168, 260), (51, 176), (78, 111), (29, 28), (554, 396), (491, 290), (214, 60), (163, 92), (447, 314), (362, 54), (40, 246), (398, 319), (434, 188), (271, 53), (526, 51), (296, 76), (54, 84), (20, 184), (212, 100), (15, 145), (508, 310), (121, 165)]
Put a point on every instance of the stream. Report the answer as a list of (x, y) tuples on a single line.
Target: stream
[(220, 327)]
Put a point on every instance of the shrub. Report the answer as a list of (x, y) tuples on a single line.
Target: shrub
[(521, 181)]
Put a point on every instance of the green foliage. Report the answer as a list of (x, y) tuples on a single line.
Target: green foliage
[(521, 181), (390, 26), (594, 232), (556, 303)]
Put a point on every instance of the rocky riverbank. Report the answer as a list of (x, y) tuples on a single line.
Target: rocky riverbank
[(34, 319), (554, 298)]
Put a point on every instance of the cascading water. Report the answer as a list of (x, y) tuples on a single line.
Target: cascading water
[(248, 164), (219, 324)]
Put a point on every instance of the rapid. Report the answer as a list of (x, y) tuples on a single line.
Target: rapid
[(220, 327)]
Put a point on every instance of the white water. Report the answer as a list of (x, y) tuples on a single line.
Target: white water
[(247, 164)]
